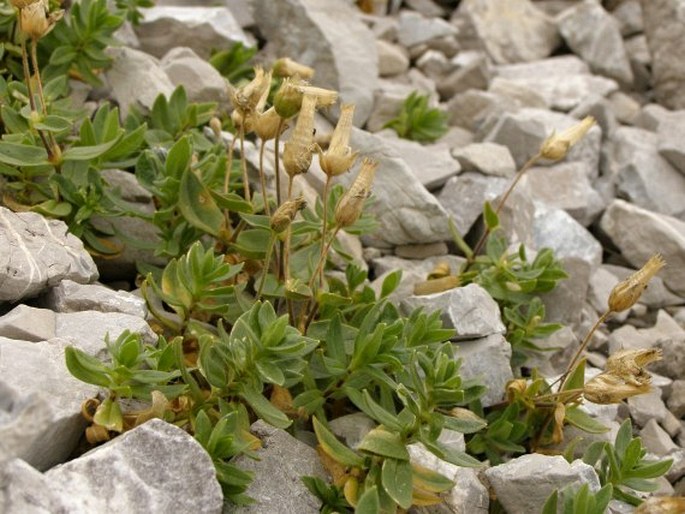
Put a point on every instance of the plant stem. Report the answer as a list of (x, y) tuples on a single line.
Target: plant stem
[(243, 163), (34, 60), (324, 222), (262, 179), (277, 159), (32, 100), (267, 261)]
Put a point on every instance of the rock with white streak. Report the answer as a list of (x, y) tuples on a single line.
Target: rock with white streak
[(40, 403), (487, 360), (38, 253), (156, 467), (277, 487), (70, 296), (136, 78), (415, 28), (200, 28), (469, 310), (664, 22), (644, 177), (28, 324), (524, 484), (639, 233), (512, 30), (201, 80), (343, 54), (593, 34)]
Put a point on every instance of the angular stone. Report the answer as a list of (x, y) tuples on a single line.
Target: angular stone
[(40, 403), (415, 28), (593, 34), (156, 467), (38, 253), (512, 30), (136, 78), (277, 487), (601, 109), (647, 406), (639, 233), (343, 54), (392, 59), (523, 484), (26, 490), (645, 177), (387, 103), (664, 22), (564, 304), (655, 439), (470, 310), (200, 28), (487, 360), (487, 158), (28, 324), (433, 64), (201, 80), (671, 139), (628, 14), (624, 107), (676, 400), (469, 109), (69, 296), (518, 93), (474, 73), (559, 349), (431, 164)]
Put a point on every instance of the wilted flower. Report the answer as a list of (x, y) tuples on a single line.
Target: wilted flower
[(324, 97), (266, 124), (298, 150), (557, 146), (215, 125), (436, 285), (286, 67), (607, 388), (627, 292), (339, 157), (352, 203), (629, 364), (246, 98), (285, 214), (35, 20)]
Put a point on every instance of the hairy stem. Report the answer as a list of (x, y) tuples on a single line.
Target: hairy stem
[(262, 178)]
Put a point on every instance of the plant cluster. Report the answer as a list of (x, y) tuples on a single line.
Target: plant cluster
[(254, 320)]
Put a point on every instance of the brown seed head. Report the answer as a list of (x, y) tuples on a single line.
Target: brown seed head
[(608, 388), (286, 67), (35, 20), (285, 214), (557, 146), (352, 203), (339, 157), (298, 150), (246, 98), (436, 285), (627, 292)]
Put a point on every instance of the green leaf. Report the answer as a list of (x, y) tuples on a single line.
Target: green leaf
[(86, 368), (576, 380), (264, 408), (396, 477), (458, 240), (368, 405), (490, 216), (466, 424), (53, 123), (579, 418), (270, 373), (108, 414), (384, 443), (198, 206), (53, 208), (623, 437), (178, 159), (451, 455), (22, 155), (391, 282), (87, 153), (368, 503), (334, 448), (652, 469), (550, 506)]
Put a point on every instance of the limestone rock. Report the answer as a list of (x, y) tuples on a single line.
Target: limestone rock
[(671, 139), (343, 54), (69, 296), (655, 439), (392, 59), (37, 254), (487, 360), (28, 324), (431, 164), (201, 80), (415, 28)]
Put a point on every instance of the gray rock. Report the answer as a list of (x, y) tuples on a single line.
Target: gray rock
[(426, 7), (651, 116), (156, 467), (421, 251), (520, 94), (89, 329), (676, 400), (468, 496), (645, 177), (624, 107), (487, 158), (487, 360), (388, 99), (639, 234), (69, 296), (136, 78), (26, 490), (564, 304), (473, 74), (521, 135), (201, 80), (470, 310), (593, 34), (664, 22), (628, 14), (28, 324), (512, 30), (469, 109), (431, 164), (523, 484), (37, 254), (655, 439), (415, 28), (559, 349), (277, 487), (343, 54), (434, 64), (352, 428), (392, 59), (565, 186), (200, 28), (602, 110), (647, 406), (671, 139), (40, 403)]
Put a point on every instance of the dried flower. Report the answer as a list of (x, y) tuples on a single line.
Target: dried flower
[(246, 98), (324, 97), (215, 125), (20, 4), (339, 157), (436, 285), (440, 270), (662, 505), (266, 124), (352, 203), (35, 20), (286, 67), (627, 292), (629, 364), (285, 214), (298, 150), (288, 98), (607, 388), (557, 146)]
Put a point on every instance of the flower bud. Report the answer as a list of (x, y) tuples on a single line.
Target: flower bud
[(557, 146), (285, 214), (215, 125), (352, 203), (627, 292), (286, 67), (288, 98), (339, 157)]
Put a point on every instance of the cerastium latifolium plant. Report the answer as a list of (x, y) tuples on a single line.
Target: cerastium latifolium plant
[(251, 323), (418, 121)]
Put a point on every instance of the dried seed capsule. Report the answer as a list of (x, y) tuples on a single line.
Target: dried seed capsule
[(298, 150), (339, 157), (352, 203), (557, 146), (284, 215), (627, 292), (246, 98), (286, 67)]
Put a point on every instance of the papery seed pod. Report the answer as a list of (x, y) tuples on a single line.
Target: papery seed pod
[(96, 434), (285, 214), (339, 157), (516, 387), (20, 4), (267, 123), (286, 67), (436, 285), (246, 98), (298, 150), (288, 98), (662, 505), (627, 292), (324, 97), (36, 22), (441, 269), (608, 388), (351, 204), (557, 146), (629, 364)]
